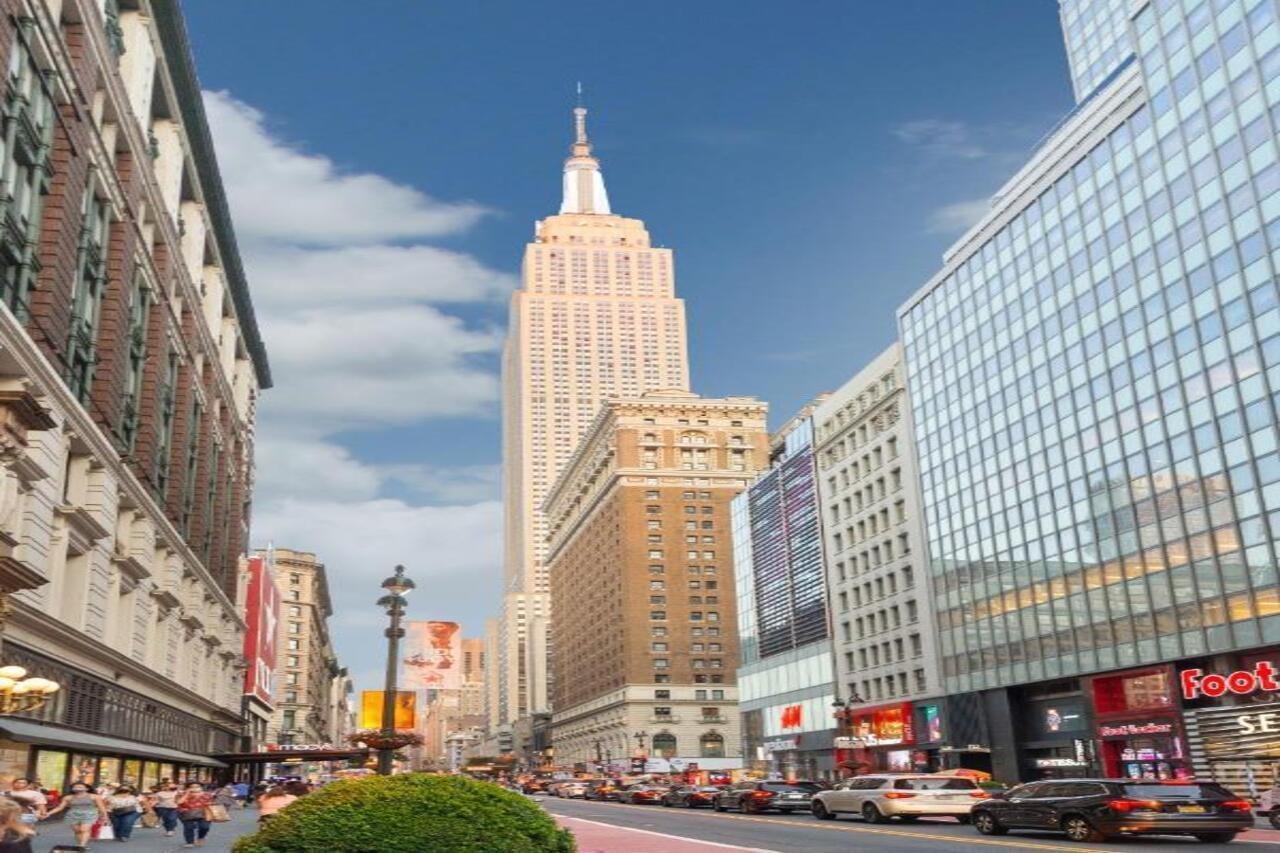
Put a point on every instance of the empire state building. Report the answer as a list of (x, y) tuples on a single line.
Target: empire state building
[(596, 317)]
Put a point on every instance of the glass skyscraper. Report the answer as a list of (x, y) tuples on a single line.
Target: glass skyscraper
[(1094, 377)]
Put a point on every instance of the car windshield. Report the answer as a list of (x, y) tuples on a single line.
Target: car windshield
[(942, 784), (1184, 791), (806, 787)]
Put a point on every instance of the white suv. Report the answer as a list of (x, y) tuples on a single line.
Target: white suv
[(906, 797)]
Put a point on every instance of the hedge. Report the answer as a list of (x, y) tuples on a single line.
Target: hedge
[(410, 813)]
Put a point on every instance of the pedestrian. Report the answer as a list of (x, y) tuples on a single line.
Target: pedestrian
[(242, 794), (33, 803), (84, 810), (272, 801), (297, 787), (125, 807), (15, 833), (225, 796), (164, 802), (193, 811)]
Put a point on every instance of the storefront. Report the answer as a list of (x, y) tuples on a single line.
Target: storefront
[(1055, 724), (881, 738), (1232, 719), (55, 757), (807, 755), (1137, 724)]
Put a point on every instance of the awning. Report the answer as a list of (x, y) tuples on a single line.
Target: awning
[(43, 734)]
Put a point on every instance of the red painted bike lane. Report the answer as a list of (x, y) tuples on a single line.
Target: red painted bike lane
[(596, 837)]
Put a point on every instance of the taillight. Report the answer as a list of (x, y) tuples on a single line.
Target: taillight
[(1235, 806), (980, 795), (898, 795), (762, 795), (1126, 805)]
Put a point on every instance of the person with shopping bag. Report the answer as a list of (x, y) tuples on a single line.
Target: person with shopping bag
[(125, 807), (195, 807), (84, 809)]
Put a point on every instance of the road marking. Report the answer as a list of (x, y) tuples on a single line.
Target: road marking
[(668, 835), (919, 836)]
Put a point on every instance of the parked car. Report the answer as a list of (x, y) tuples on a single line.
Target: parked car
[(1097, 809), (642, 795), (904, 796), (604, 790), (533, 786), (690, 796), (752, 797)]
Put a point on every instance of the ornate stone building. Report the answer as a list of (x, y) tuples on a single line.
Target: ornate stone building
[(306, 666), (130, 364), (641, 569)]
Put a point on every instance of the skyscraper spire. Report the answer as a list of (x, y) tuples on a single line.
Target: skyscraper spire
[(584, 190)]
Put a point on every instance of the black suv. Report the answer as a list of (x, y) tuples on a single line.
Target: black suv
[(753, 797), (1096, 809)]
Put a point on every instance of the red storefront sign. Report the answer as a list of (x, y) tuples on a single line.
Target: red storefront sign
[(889, 725), (1127, 730), (1262, 678), (792, 717), (261, 616)]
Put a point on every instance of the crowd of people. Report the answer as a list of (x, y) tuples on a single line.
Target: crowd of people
[(110, 812)]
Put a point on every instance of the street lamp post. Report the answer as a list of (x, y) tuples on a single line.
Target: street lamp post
[(397, 587), (599, 754)]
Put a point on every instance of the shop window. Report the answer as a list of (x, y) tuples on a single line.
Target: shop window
[(711, 745), (1131, 692), (664, 745)]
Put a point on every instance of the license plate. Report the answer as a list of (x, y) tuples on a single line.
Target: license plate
[(1191, 809), (795, 796)]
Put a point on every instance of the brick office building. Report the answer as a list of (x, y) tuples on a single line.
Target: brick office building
[(639, 554), (130, 363)]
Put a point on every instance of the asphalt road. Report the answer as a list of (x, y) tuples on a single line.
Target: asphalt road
[(774, 833)]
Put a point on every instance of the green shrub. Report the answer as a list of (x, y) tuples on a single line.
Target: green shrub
[(410, 813)]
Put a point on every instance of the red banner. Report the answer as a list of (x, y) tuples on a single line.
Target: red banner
[(261, 616)]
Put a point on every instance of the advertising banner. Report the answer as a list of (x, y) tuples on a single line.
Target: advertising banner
[(433, 656), (261, 616), (371, 709)]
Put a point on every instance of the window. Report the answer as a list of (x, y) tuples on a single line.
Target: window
[(292, 660), (658, 647), (661, 663), (662, 711), (293, 645), (711, 745), (662, 694), (294, 579), (710, 713), (717, 694), (295, 627), (700, 694), (24, 158), (86, 300), (139, 312), (664, 745)]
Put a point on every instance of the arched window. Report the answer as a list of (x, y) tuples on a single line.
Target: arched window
[(664, 745), (712, 745)]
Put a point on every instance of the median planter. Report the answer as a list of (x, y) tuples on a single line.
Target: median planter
[(410, 813)]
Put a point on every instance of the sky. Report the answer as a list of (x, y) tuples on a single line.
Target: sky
[(386, 162)]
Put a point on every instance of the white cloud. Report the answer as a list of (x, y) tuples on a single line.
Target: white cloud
[(941, 138), (960, 216), (352, 305), (282, 193)]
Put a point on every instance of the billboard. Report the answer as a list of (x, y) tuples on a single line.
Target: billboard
[(371, 709), (261, 616), (433, 656)]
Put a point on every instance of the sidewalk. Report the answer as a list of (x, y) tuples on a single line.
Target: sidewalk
[(221, 836)]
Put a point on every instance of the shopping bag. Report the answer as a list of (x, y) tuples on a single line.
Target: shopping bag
[(103, 832), (150, 820), (216, 814)]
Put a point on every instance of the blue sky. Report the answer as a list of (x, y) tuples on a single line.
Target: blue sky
[(808, 163)]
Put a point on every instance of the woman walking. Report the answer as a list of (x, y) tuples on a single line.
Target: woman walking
[(15, 833), (193, 808), (84, 809), (273, 801), (164, 802), (125, 808)]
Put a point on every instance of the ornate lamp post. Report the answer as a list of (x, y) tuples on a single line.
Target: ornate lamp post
[(19, 693), (397, 587)]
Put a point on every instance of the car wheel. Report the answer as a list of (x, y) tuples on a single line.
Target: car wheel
[(666, 803), (1215, 837), (716, 805), (747, 807), (987, 824), (820, 811), (1077, 828), (871, 814), (688, 803)]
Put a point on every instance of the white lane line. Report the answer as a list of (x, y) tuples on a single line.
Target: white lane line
[(667, 835)]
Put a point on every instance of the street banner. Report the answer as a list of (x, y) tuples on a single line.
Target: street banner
[(433, 656), (371, 709), (261, 616)]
